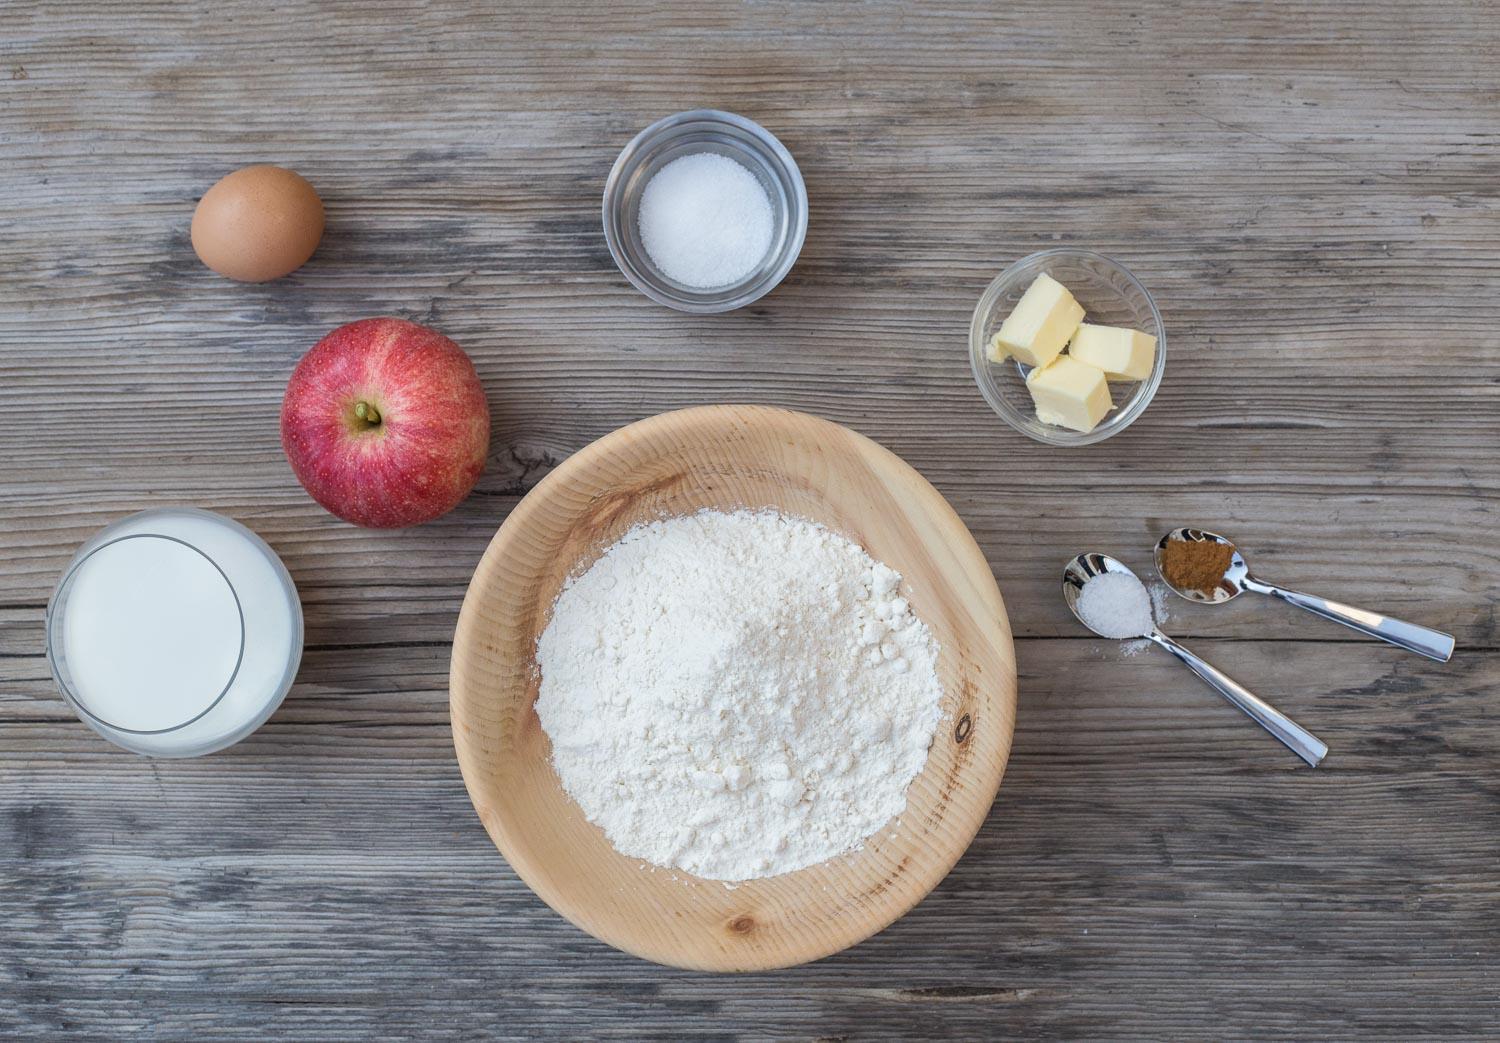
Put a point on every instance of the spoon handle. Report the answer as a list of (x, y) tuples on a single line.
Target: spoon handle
[(1296, 738), (1434, 644)]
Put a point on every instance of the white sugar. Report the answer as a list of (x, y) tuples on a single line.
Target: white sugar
[(1159, 599), (706, 221), (1115, 604)]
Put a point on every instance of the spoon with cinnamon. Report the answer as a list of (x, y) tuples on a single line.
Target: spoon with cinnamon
[(1207, 568)]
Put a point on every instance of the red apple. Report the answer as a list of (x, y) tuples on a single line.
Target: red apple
[(385, 423)]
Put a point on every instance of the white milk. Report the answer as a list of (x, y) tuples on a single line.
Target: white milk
[(175, 632)]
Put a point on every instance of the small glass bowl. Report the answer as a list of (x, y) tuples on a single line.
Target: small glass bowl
[(687, 133), (1110, 296)]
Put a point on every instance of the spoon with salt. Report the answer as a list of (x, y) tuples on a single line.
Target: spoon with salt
[(1434, 644), (1120, 608)]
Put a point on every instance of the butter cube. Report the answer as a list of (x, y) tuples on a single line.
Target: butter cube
[(1039, 327), (1122, 354), (1070, 394)]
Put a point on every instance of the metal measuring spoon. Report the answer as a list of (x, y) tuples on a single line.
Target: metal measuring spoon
[(1434, 644), (1297, 738)]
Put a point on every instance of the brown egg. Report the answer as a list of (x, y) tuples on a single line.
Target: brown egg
[(258, 223)]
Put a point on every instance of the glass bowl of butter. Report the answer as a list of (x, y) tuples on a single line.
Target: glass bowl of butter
[(1067, 347)]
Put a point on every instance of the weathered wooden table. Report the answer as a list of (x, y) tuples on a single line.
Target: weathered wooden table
[(1312, 193)]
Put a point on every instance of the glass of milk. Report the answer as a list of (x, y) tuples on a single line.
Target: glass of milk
[(174, 632)]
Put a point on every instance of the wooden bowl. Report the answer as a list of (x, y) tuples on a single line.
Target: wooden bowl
[(728, 457)]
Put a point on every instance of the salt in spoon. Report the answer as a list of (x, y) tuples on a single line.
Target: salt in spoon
[(1297, 738), (1434, 644)]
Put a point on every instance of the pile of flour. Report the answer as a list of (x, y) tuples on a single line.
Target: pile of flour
[(737, 694)]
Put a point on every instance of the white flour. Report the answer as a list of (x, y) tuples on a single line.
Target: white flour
[(737, 695)]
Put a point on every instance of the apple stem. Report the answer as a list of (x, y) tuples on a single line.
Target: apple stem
[(368, 413)]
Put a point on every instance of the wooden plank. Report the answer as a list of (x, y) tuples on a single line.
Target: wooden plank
[(328, 873), (1392, 553), (1308, 188)]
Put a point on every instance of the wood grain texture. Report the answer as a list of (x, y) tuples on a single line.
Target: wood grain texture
[(1309, 189)]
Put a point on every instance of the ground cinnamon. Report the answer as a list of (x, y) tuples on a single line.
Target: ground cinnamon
[(1195, 564)]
